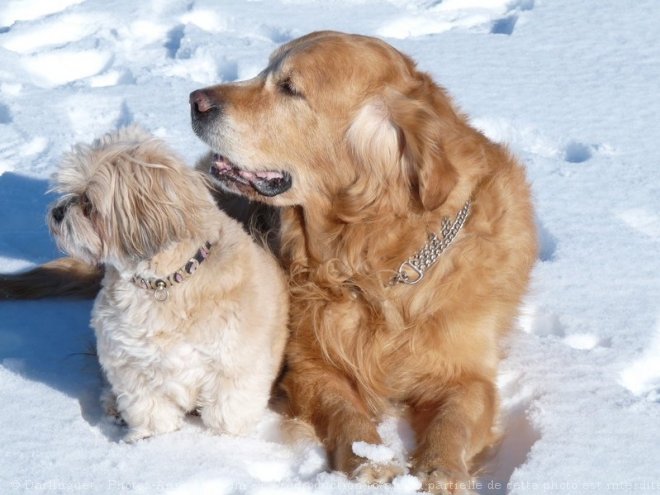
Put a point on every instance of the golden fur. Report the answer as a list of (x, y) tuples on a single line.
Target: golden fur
[(378, 155)]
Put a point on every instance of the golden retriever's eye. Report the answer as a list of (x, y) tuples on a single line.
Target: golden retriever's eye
[(85, 205), (286, 87)]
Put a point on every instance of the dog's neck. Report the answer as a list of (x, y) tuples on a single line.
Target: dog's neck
[(389, 240), (172, 258), (160, 284)]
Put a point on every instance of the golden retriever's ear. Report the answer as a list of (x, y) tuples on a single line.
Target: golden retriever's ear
[(375, 140), (421, 132), (403, 136)]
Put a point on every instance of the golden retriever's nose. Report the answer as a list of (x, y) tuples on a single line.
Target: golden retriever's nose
[(202, 103)]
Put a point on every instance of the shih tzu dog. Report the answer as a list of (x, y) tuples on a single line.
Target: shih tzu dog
[(192, 314)]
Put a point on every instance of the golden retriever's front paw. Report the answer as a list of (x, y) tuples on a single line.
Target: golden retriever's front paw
[(376, 463), (369, 463), (372, 473), (441, 482)]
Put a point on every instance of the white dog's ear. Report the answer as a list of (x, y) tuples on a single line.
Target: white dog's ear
[(400, 133), (153, 205)]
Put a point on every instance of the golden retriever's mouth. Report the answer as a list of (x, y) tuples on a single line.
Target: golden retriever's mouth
[(267, 183)]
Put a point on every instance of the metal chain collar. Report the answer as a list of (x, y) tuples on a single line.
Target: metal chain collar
[(426, 257)]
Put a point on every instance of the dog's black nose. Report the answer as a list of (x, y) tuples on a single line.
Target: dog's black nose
[(58, 214), (203, 104)]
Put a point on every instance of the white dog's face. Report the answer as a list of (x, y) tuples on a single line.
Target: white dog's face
[(124, 199)]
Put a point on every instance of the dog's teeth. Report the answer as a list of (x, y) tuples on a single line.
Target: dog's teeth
[(269, 175), (221, 163)]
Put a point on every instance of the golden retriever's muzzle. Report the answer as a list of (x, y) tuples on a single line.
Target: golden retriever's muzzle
[(206, 112), (266, 183)]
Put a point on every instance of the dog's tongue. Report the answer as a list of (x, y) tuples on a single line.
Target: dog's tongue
[(267, 183), (268, 175)]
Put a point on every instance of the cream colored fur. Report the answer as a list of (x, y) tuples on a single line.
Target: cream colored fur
[(216, 344)]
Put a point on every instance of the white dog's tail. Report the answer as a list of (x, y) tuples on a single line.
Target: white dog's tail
[(63, 277)]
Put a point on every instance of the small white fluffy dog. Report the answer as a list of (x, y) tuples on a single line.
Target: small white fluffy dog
[(192, 315)]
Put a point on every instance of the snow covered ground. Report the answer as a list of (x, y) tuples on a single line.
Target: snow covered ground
[(571, 86)]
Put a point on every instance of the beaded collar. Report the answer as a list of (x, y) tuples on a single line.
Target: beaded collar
[(160, 285)]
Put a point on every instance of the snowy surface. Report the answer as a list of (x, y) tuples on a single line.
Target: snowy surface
[(571, 86)]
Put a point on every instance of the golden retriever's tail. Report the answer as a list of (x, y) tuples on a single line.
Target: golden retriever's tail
[(63, 277)]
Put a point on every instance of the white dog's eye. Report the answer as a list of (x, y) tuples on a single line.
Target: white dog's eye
[(85, 205), (287, 87)]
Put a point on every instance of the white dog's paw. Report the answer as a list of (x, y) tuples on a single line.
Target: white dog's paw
[(152, 427), (139, 433), (240, 427), (236, 428), (136, 434), (215, 419), (110, 408), (372, 473), (149, 417)]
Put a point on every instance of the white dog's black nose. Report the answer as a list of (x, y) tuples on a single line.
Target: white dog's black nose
[(58, 213)]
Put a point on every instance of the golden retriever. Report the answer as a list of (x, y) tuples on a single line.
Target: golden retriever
[(367, 157)]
